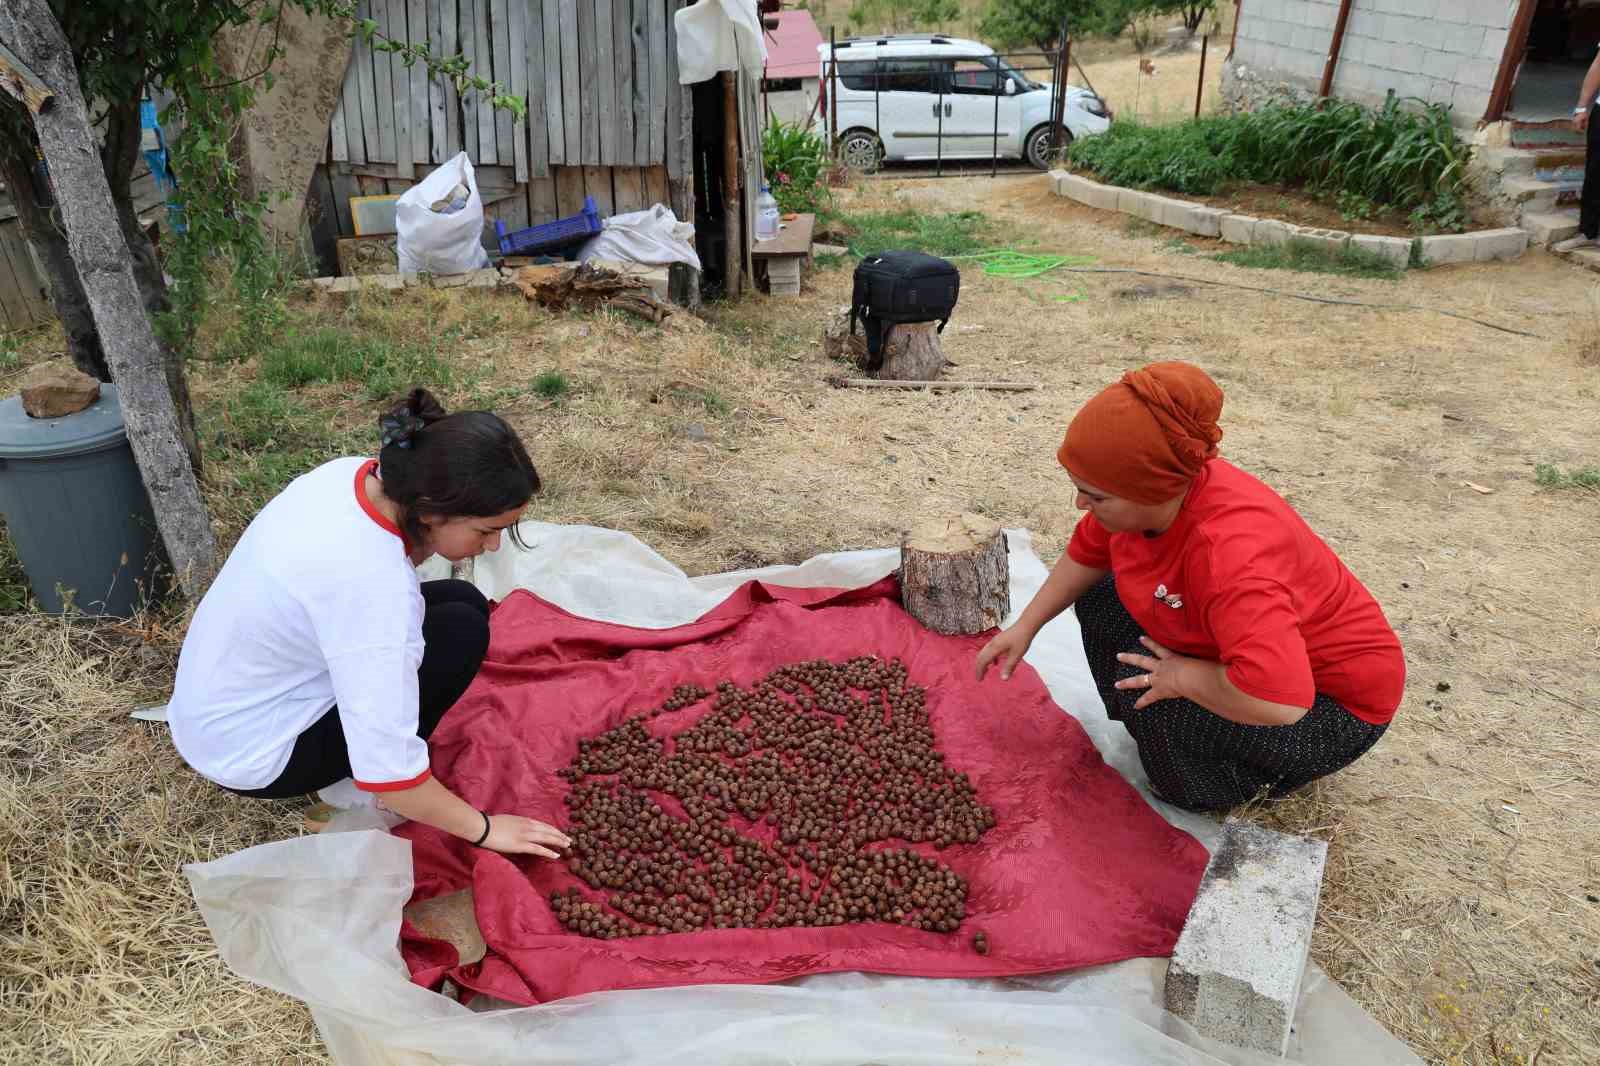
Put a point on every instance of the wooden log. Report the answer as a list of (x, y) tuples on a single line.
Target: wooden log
[(912, 352), (841, 382), (22, 83), (955, 574)]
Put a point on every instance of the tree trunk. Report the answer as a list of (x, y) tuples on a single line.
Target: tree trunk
[(66, 291), (912, 352), (119, 157), (104, 265), (955, 574)]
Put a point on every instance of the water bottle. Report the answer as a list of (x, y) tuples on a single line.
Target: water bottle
[(766, 215)]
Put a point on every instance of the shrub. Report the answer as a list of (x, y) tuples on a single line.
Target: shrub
[(795, 160), (1409, 160)]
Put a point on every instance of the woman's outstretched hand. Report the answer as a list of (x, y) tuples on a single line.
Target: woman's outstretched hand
[(1008, 648), (513, 834)]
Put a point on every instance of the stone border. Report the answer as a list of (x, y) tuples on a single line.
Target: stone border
[(1203, 221)]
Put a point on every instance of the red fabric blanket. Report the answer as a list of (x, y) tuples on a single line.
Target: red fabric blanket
[(1078, 870)]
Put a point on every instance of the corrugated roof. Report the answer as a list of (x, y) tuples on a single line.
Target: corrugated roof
[(792, 47)]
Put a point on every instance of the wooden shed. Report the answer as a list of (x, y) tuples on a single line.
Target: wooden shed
[(606, 118)]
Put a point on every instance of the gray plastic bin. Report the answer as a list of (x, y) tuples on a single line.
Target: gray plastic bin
[(76, 509)]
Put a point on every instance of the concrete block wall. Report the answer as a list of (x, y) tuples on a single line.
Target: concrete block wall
[(1203, 221), (1441, 51)]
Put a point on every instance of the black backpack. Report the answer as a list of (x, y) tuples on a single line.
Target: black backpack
[(899, 287)]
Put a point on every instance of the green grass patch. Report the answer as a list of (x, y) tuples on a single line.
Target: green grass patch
[(1393, 159), (385, 368), (1549, 476), (551, 384), (1311, 258), (949, 233), (10, 358)]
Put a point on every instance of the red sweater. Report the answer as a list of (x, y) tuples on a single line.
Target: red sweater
[(1241, 579)]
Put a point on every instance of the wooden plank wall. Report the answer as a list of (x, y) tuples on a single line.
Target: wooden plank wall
[(606, 117)]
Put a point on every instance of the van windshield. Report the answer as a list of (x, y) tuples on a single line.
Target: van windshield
[(1007, 68)]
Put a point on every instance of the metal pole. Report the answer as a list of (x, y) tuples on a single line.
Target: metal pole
[(1200, 88), (877, 94), (994, 147), (833, 91), (1058, 113), (938, 111)]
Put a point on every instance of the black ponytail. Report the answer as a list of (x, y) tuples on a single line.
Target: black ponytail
[(466, 465)]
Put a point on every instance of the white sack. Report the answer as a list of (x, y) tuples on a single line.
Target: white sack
[(435, 243), (318, 917), (716, 35), (654, 238)]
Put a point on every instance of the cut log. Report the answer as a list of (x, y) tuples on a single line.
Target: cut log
[(955, 574), (910, 353), (840, 382)]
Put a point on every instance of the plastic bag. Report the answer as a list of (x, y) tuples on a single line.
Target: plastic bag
[(654, 238), (438, 230), (318, 917)]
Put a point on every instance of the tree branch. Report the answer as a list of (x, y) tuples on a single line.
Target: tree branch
[(22, 83)]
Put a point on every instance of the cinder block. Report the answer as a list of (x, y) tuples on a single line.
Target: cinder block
[(1205, 221), (1153, 208), (1395, 249), (387, 282), (1058, 182), (1332, 239), (1449, 248), (1238, 229), (1508, 243), (1101, 196), (1271, 232), (1132, 202), (1235, 974)]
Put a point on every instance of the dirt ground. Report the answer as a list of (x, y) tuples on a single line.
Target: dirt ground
[(1462, 903)]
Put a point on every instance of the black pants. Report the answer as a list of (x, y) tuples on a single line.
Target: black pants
[(1200, 760), (1589, 205), (455, 636)]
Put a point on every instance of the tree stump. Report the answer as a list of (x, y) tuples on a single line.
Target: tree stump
[(955, 574), (910, 353)]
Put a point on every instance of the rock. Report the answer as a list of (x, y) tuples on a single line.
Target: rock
[(694, 431), (828, 249), (1235, 973), (56, 389)]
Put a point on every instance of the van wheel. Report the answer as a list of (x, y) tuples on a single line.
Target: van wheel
[(861, 150), (1038, 146)]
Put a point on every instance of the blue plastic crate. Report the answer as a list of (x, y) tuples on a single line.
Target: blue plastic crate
[(550, 234)]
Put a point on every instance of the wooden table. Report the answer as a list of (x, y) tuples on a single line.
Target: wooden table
[(783, 254)]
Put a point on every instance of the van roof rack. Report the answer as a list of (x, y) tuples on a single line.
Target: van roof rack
[(920, 38)]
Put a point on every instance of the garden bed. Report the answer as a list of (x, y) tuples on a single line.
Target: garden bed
[(1302, 208)]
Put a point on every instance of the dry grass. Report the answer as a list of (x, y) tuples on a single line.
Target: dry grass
[(1459, 905)]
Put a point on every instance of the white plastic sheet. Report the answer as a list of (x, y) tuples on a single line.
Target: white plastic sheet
[(654, 237), (434, 242), (716, 35), (318, 918)]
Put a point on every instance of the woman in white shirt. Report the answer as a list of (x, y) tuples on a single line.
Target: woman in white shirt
[(318, 662)]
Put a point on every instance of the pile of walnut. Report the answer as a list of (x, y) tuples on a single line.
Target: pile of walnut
[(823, 759)]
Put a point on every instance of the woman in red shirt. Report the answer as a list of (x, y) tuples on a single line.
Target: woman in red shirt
[(1229, 640)]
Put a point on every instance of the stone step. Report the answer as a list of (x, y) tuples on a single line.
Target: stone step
[(1553, 164), (1536, 195), (1547, 227), (1547, 135), (1588, 258)]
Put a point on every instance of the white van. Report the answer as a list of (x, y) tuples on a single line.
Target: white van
[(940, 96)]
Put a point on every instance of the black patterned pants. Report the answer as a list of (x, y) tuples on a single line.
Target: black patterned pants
[(1199, 760)]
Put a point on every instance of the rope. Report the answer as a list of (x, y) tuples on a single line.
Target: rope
[(1303, 296)]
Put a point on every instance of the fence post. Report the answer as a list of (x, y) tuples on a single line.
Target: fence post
[(994, 144), (1200, 89), (833, 92), (1059, 104)]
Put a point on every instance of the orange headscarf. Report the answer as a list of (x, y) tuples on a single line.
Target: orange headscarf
[(1146, 437)]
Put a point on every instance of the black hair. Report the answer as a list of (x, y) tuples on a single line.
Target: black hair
[(464, 465)]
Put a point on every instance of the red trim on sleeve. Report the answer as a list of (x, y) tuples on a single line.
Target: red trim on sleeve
[(394, 786), (371, 467)]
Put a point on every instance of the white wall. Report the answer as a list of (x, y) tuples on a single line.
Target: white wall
[(794, 106), (1442, 51)]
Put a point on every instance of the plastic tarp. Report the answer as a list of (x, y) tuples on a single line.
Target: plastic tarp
[(717, 35), (318, 918)]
